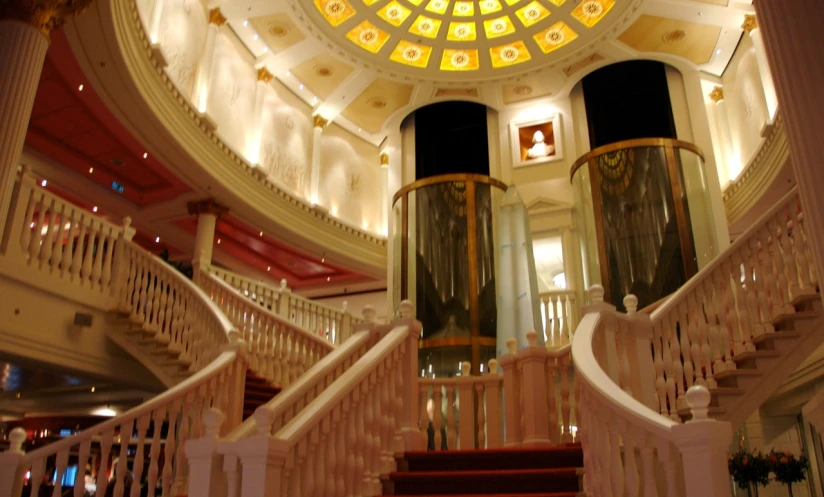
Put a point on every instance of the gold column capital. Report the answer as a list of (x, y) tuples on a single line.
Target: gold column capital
[(207, 206), (45, 15), (750, 23), (319, 122), (717, 94), (216, 17), (384, 160), (264, 75)]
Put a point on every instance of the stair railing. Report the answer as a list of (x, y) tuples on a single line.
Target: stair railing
[(720, 313), (561, 314), (279, 350), (83, 253), (345, 438), (333, 324), (627, 444)]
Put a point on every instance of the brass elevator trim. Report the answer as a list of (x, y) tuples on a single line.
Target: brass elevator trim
[(637, 142), (404, 247), (472, 248), (448, 178), (678, 199)]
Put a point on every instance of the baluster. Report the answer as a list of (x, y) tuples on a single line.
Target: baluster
[(120, 470), (29, 224), (616, 473), (142, 426), (366, 433), (695, 318), (782, 283), (632, 480), (802, 244), (106, 277), (566, 435), (61, 463), (565, 330), (669, 369), (760, 313), (97, 265), (48, 244), (743, 304), (38, 469), (169, 448), (722, 292), (277, 354), (424, 416), (377, 429), (783, 237), (148, 300), (88, 255), (451, 426), (351, 445), (359, 447), (481, 421), (677, 366), (648, 460), (80, 475), (683, 330), (437, 415), (339, 487), (103, 470), (154, 451), (37, 236), (624, 372), (658, 364), (552, 402), (733, 279), (390, 414), (703, 337), (547, 320), (57, 250), (68, 250), (183, 433)]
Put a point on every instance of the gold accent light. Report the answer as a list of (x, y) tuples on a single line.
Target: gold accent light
[(717, 94), (750, 23), (319, 122), (216, 17)]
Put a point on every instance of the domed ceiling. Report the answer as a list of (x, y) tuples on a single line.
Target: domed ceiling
[(462, 39)]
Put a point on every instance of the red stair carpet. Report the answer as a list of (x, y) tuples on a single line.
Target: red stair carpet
[(532, 472), (258, 392)]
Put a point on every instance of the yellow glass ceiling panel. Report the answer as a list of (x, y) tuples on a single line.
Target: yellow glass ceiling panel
[(370, 2), (394, 13), (532, 13), (437, 6), (424, 26), (461, 31), (592, 11), (413, 2), (557, 2), (554, 37), (463, 9), (500, 26), (510, 54), (411, 54), (512, 2), (367, 36), (489, 6), (335, 11), (459, 60)]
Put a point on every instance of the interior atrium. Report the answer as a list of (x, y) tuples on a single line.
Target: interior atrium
[(249, 247)]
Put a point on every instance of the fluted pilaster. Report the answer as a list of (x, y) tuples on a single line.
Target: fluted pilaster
[(793, 43)]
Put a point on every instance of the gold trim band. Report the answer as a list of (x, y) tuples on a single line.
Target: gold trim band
[(635, 143), (448, 178)]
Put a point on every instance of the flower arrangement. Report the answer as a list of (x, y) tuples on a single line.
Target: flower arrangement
[(787, 468), (749, 469)]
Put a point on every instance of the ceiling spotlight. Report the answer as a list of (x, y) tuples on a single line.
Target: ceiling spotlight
[(328, 278), (145, 154), (157, 239), (322, 260), (218, 241), (245, 23), (314, 99), (265, 49), (80, 88), (92, 389), (718, 52), (261, 233), (301, 86), (255, 37), (91, 170), (268, 268), (94, 209), (43, 183)]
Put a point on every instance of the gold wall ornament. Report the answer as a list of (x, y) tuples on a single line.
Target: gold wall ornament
[(206, 206), (750, 23), (216, 17), (384, 160), (45, 15), (319, 122), (717, 94), (264, 75)]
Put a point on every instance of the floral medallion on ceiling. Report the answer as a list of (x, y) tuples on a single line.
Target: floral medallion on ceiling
[(465, 35)]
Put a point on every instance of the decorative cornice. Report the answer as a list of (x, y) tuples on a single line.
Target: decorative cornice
[(750, 23), (207, 206), (319, 122), (384, 160), (45, 15), (216, 17), (264, 75), (717, 94)]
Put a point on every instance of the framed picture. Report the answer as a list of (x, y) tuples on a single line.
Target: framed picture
[(536, 142)]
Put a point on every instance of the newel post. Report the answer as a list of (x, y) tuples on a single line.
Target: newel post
[(408, 428), (642, 369), (368, 325), (494, 408), (11, 472), (346, 328), (703, 443), (120, 264), (16, 222), (531, 362), (206, 477), (236, 385), (512, 407), (466, 400), (284, 301), (263, 459)]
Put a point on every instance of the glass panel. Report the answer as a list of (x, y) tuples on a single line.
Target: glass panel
[(485, 261), (702, 222), (585, 222), (397, 244)]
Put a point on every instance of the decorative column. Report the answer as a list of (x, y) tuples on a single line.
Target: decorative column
[(385, 197), (207, 212), (751, 26), (25, 27), (263, 79), (203, 77), (723, 121), (314, 182), (793, 42)]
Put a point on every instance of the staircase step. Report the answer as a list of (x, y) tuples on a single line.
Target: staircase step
[(526, 481), (734, 373), (727, 391), (758, 354), (778, 335), (794, 316), (493, 459), (811, 296)]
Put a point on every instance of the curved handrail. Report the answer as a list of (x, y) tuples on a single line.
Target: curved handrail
[(634, 143)]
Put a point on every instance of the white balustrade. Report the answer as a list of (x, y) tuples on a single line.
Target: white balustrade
[(721, 312), (278, 350), (335, 325), (560, 313)]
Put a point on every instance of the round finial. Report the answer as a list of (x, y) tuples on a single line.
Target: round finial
[(264, 419), (283, 284), (465, 367), (406, 308), (369, 313), (26, 169), (16, 439), (493, 366), (234, 336), (596, 294), (631, 303), (512, 345), (345, 305), (698, 400), (212, 419), (532, 338), (127, 221)]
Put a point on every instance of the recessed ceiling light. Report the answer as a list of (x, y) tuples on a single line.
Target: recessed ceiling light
[(288, 73), (301, 86), (328, 278), (44, 183), (268, 268), (91, 170), (322, 260), (359, 130), (245, 23), (80, 88), (265, 49), (261, 233), (145, 154), (94, 209), (218, 241), (718, 52), (255, 37), (157, 239), (92, 389)]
